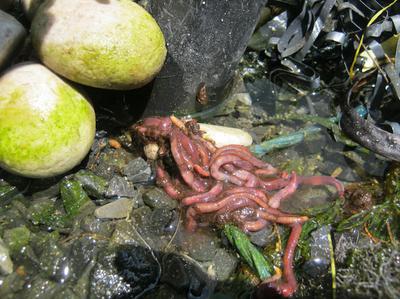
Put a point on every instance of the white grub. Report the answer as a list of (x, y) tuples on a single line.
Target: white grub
[(225, 135)]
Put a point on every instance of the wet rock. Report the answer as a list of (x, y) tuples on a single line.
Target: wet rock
[(262, 237), (319, 252), (201, 246), (125, 234), (73, 196), (262, 94), (313, 145), (157, 198), (53, 262), (307, 197), (83, 252), (105, 282), (40, 287), (120, 187), (91, 224), (175, 271), (200, 287), (41, 241), (138, 267), (51, 192), (119, 208), (17, 237), (186, 276), (46, 212), (224, 263), (347, 174), (7, 192), (94, 185), (12, 35), (137, 171), (154, 225), (109, 162), (6, 264), (11, 285)]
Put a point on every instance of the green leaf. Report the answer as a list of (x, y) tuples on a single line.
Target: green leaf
[(252, 256)]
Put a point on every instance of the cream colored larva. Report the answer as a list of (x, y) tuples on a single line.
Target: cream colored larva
[(225, 135)]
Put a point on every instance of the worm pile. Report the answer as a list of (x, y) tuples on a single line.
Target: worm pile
[(225, 185)]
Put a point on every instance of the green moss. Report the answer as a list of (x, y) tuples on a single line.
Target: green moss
[(7, 191), (94, 185), (46, 213), (16, 238), (124, 56), (73, 197)]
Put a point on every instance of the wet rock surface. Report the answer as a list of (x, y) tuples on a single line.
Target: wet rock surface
[(119, 208), (6, 264), (319, 253), (137, 171), (120, 187), (12, 35), (157, 198)]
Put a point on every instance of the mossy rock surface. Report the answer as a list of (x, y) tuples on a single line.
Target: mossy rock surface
[(113, 44), (46, 126)]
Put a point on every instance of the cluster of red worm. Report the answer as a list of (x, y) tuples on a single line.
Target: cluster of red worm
[(227, 184)]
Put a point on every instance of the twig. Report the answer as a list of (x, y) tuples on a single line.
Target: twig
[(333, 265), (175, 232)]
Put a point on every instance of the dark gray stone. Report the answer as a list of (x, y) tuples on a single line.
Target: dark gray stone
[(224, 264), (137, 171), (262, 237), (201, 246), (319, 252), (12, 35), (120, 187), (157, 198)]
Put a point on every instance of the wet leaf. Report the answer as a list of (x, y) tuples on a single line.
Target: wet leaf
[(252, 256)]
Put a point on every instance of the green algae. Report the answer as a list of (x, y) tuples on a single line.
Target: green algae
[(30, 138), (16, 238), (73, 196), (126, 55)]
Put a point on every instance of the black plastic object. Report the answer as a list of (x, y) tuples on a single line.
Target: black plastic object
[(205, 41)]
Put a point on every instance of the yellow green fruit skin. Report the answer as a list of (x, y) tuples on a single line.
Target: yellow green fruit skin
[(46, 126), (113, 45)]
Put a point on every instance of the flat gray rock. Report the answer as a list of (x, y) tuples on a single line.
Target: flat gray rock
[(6, 264), (119, 208)]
